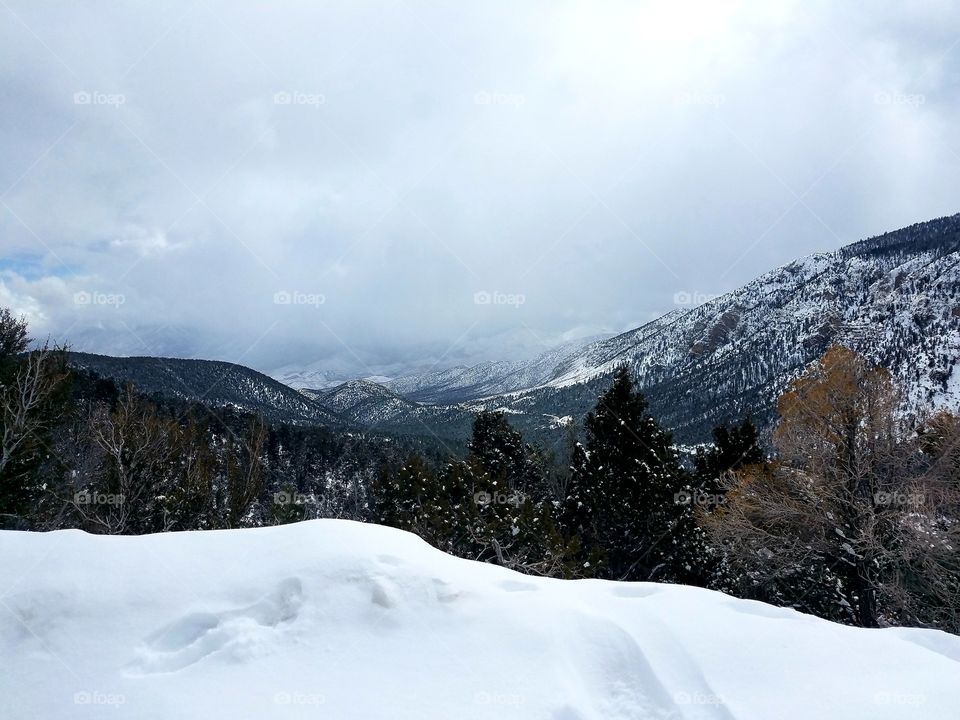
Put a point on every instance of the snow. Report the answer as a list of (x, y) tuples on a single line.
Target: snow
[(342, 620)]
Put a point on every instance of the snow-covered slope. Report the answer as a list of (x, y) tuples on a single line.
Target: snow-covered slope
[(894, 298), (318, 377), (332, 619), (484, 379), (363, 402)]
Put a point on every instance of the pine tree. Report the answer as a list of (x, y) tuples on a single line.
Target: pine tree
[(416, 498), (511, 514), (733, 447), (499, 450), (625, 492)]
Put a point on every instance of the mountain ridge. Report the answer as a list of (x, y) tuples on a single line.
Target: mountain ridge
[(892, 297), (212, 382)]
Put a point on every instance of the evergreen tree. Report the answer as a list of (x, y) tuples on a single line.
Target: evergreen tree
[(499, 450), (511, 518), (417, 499), (625, 493), (733, 447)]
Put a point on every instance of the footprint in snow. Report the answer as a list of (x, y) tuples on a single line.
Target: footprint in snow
[(193, 637)]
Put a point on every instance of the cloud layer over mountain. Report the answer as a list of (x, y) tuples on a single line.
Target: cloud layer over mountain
[(378, 184)]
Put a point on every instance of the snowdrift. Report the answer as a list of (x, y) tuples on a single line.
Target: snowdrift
[(334, 619)]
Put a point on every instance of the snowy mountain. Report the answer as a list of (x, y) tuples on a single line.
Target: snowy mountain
[(318, 376), (344, 620), (374, 407), (363, 401), (894, 298), (461, 383)]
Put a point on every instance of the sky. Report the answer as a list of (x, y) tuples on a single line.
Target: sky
[(372, 187)]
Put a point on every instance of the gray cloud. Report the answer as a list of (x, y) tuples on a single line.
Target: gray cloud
[(336, 182)]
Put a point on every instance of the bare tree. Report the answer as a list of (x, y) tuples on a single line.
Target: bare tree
[(138, 447), (245, 473), (842, 499)]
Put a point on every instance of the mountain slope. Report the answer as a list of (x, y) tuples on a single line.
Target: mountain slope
[(484, 379), (209, 382), (894, 298), (376, 408), (363, 402), (360, 622)]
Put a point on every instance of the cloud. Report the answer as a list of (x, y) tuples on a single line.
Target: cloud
[(396, 160)]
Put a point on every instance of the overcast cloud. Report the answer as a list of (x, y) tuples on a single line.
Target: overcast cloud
[(287, 183)]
